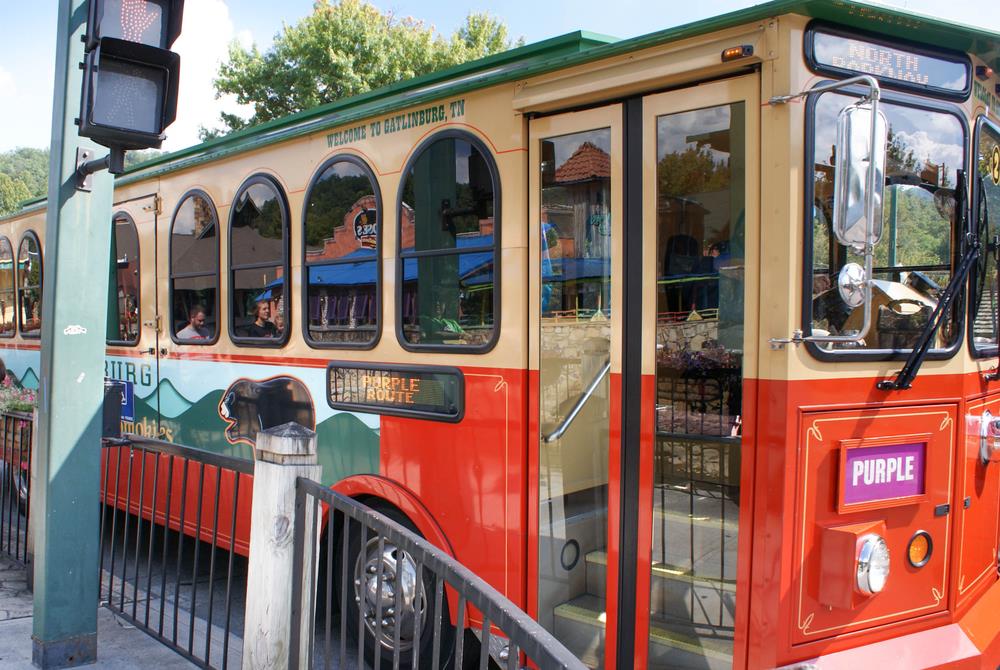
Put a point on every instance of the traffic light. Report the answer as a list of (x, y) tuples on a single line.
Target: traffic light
[(130, 77)]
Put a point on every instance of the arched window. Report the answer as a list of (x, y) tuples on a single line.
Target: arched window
[(449, 228), (123, 306), (258, 264), (342, 229), (194, 271), (7, 300), (29, 285)]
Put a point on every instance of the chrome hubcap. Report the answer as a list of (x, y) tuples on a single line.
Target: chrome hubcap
[(399, 573)]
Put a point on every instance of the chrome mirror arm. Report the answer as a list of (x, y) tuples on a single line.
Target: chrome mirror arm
[(873, 96)]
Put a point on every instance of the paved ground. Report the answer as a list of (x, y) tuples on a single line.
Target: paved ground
[(119, 645)]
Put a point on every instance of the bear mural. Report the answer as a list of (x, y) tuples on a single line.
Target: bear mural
[(249, 406)]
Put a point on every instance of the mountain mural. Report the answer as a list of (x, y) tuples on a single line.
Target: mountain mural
[(172, 403), (346, 445), (29, 379)]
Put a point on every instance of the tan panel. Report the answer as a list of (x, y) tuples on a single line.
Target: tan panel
[(553, 126), (698, 97), (672, 64)]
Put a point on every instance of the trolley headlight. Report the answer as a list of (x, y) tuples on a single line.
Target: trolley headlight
[(873, 564)]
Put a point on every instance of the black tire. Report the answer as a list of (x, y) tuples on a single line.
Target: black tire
[(358, 566)]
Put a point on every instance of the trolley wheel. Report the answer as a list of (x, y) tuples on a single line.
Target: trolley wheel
[(398, 572)]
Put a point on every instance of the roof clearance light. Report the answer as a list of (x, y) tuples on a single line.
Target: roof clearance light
[(873, 564), (918, 552), (984, 72), (735, 53)]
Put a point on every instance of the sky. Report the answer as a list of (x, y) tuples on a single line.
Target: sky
[(27, 47)]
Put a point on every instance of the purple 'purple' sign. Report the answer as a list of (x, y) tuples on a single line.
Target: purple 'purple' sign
[(883, 473)]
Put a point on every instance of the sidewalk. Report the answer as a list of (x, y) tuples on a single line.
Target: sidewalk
[(119, 645)]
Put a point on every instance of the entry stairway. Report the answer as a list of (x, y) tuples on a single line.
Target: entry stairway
[(693, 587)]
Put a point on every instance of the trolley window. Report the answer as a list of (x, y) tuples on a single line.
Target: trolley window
[(123, 305), (342, 232), (986, 199), (194, 271), (7, 326), (914, 259), (29, 285), (258, 263), (449, 222)]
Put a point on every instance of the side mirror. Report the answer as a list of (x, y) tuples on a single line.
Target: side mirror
[(859, 176)]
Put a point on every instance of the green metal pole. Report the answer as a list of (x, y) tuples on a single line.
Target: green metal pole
[(74, 305)]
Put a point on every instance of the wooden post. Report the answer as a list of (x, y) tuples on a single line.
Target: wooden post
[(283, 454)]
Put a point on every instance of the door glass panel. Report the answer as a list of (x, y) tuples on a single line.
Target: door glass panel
[(575, 344), (700, 176)]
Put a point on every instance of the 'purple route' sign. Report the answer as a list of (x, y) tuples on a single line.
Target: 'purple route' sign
[(883, 473)]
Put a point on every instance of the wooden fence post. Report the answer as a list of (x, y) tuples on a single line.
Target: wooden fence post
[(283, 454)]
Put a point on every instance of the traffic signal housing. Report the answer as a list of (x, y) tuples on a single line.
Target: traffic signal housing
[(131, 77)]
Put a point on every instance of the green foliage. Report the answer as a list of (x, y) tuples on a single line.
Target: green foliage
[(691, 171), (329, 202), (340, 50), (133, 158), (30, 166), (12, 192)]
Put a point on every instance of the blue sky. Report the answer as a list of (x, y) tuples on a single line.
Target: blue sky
[(27, 46)]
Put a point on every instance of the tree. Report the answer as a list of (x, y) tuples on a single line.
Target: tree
[(12, 193), (341, 50), (29, 166)]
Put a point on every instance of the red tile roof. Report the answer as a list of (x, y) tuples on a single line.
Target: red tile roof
[(587, 162)]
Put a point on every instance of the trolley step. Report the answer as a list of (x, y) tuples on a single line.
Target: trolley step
[(580, 624), (676, 594)]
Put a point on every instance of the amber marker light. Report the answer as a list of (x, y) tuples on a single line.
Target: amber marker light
[(735, 53), (982, 71), (918, 552)]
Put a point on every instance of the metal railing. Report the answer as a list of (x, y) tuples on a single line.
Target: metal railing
[(398, 596), (169, 562), (16, 429)]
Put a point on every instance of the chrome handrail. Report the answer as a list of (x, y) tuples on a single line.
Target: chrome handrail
[(584, 397)]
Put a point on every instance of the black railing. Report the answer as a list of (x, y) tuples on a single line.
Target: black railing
[(15, 483), (399, 596), (170, 561)]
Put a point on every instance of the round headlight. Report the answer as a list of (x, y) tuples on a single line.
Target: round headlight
[(873, 564)]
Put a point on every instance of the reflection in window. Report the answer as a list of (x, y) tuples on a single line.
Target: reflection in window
[(913, 259), (29, 285), (123, 310), (447, 246), (6, 288), (574, 386), (258, 229), (194, 271), (986, 216), (342, 234), (700, 243)]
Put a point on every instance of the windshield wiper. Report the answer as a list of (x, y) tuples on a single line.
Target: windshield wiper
[(916, 358)]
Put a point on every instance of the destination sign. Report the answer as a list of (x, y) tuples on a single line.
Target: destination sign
[(429, 392), (882, 473), (909, 68)]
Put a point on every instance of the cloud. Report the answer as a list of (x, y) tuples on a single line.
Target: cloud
[(204, 44)]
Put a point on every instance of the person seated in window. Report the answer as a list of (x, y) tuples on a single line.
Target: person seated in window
[(195, 330), (261, 326)]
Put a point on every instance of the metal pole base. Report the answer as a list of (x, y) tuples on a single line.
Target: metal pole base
[(68, 653)]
